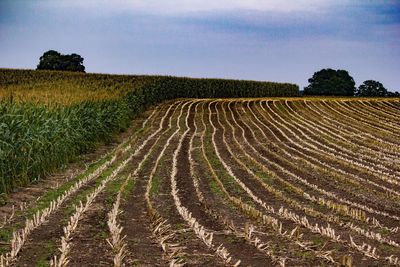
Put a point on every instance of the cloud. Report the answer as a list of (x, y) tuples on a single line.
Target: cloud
[(267, 40), (181, 7)]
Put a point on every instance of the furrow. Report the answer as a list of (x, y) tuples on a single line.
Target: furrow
[(294, 190), (330, 141), (66, 239), (201, 232), (258, 195), (377, 110), (367, 117), (340, 208), (301, 220), (354, 134), (314, 145), (280, 250), (373, 131), (343, 200)]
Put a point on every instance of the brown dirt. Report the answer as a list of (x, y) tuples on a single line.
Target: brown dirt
[(44, 240), (197, 254), (143, 248), (333, 118), (276, 203), (89, 247), (327, 184), (224, 211), (335, 164), (248, 254), (87, 238), (356, 123), (141, 244), (337, 227), (216, 212), (357, 145)]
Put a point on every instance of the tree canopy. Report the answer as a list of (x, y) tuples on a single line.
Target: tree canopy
[(371, 88), (393, 94), (330, 82), (53, 60)]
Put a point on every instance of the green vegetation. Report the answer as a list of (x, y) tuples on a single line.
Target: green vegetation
[(328, 82), (371, 88), (36, 140), (48, 118), (43, 261), (53, 60), (67, 88)]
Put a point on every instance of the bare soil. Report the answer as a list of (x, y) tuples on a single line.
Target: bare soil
[(217, 211)]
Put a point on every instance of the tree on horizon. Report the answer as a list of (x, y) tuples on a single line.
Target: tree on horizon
[(53, 60), (371, 88), (329, 82)]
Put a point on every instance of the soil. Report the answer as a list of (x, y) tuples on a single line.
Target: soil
[(217, 212)]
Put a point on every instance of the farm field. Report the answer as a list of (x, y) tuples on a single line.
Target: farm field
[(228, 182), (50, 118)]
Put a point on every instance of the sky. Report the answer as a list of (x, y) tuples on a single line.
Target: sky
[(269, 40)]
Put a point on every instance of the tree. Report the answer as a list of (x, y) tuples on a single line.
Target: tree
[(53, 60), (393, 94), (371, 88), (330, 82)]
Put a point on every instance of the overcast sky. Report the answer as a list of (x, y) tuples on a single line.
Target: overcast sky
[(274, 40)]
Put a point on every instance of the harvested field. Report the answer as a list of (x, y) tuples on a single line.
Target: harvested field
[(232, 182)]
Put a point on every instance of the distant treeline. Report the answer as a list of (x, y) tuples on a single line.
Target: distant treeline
[(48, 118), (53, 60), (330, 82)]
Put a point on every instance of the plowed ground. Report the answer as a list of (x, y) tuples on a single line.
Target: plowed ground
[(245, 182)]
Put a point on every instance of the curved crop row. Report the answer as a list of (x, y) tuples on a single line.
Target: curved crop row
[(237, 182)]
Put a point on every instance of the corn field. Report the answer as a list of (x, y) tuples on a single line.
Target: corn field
[(48, 119), (224, 182)]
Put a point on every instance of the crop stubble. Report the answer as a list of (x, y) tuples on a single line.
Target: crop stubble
[(250, 182)]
